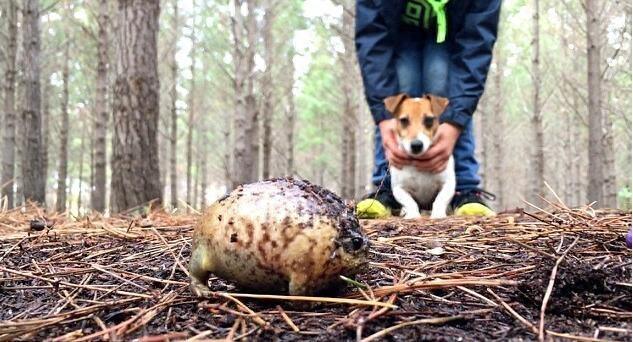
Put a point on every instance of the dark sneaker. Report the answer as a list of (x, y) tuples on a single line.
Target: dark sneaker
[(377, 205), (472, 203)]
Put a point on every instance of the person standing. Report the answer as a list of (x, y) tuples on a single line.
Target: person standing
[(418, 47)]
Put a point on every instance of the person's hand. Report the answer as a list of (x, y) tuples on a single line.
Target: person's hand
[(395, 155), (436, 158)]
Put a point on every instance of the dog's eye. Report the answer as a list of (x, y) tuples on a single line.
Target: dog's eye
[(429, 121), (404, 122)]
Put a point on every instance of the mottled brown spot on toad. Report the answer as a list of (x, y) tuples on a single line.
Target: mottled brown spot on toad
[(288, 235), (249, 237), (262, 250)]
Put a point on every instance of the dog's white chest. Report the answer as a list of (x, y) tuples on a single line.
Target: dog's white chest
[(424, 187)]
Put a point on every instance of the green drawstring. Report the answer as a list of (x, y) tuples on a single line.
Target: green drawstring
[(440, 13)]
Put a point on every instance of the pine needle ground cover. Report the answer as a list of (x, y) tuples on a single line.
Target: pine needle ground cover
[(557, 273)]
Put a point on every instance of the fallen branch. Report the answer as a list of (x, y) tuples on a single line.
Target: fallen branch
[(548, 292)]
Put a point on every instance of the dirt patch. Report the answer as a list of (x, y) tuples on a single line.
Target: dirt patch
[(579, 291)]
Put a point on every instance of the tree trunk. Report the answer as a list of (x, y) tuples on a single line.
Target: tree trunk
[(569, 157), (245, 137), (91, 152), (364, 145), (536, 121), (579, 145), (227, 159), (568, 154), (348, 148), (81, 171), (46, 124), (32, 171), (163, 143), (173, 94), (594, 87), (7, 182), (196, 182), (192, 102), (350, 51), (268, 86), (345, 158), (228, 176), (98, 194), (610, 191), (350, 111), (190, 145), (351, 166), (203, 175), (19, 149), (62, 171), (498, 117), (352, 163), (135, 164), (254, 111), (483, 118), (291, 117)]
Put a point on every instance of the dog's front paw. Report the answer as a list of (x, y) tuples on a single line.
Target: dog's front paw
[(411, 214)]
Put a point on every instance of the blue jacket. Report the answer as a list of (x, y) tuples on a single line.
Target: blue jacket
[(472, 32)]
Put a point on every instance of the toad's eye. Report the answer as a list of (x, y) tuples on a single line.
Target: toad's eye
[(429, 121), (404, 122), (357, 243)]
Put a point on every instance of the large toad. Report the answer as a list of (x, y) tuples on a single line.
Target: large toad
[(281, 235)]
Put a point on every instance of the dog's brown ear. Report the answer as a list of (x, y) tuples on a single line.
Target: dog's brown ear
[(393, 102), (438, 104)]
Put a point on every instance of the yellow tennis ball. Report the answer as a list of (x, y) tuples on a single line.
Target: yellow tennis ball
[(372, 209), (474, 209)]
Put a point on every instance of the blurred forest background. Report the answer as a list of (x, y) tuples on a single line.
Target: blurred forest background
[(108, 104)]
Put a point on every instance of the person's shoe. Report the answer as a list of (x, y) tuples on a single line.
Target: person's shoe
[(472, 203), (377, 205)]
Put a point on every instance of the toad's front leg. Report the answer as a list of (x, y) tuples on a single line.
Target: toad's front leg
[(299, 284), (199, 271)]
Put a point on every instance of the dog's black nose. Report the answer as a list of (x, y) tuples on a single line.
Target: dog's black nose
[(417, 146)]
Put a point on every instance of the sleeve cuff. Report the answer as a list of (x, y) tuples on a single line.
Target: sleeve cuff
[(380, 114), (451, 116)]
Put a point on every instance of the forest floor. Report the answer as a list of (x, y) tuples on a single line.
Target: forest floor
[(455, 279)]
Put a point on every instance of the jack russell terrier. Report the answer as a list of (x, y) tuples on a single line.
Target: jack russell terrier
[(417, 123)]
